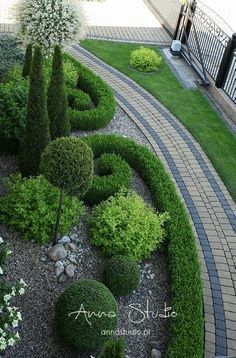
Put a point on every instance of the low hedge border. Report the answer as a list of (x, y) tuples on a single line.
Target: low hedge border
[(101, 95), (187, 329), (113, 174), (78, 100)]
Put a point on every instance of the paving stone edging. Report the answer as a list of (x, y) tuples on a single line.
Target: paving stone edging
[(209, 201)]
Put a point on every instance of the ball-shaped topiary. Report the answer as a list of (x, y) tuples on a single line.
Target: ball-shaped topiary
[(145, 59), (83, 311), (67, 163), (121, 275)]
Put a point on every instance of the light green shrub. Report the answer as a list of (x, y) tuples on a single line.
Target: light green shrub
[(126, 225), (145, 59)]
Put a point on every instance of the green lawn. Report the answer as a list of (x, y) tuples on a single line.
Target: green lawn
[(189, 106)]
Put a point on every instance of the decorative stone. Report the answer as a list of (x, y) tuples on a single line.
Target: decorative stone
[(71, 247), (59, 270), (62, 278), (74, 237), (64, 240), (155, 344), (70, 270), (73, 260), (156, 354), (57, 252), (59, 263), (43, 259)]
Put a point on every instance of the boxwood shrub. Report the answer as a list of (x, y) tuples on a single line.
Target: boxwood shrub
[(78, 99), (101, 95), (113, 174), (121, 275), (187, 329), (84, 331)]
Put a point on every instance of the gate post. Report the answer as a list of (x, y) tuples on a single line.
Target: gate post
[(226, 62)]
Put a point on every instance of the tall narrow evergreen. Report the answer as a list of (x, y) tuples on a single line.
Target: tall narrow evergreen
[(36, 135), (27, 61), (57, 99)]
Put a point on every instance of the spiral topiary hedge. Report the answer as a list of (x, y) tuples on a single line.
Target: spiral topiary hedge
[(113, 174), (187, 329), (121, 275), (101, 95), (78, 100), (83, 331)]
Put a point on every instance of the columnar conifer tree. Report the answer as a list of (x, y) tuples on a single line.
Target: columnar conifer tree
[(57, 99), (27, 61), (36, 135)]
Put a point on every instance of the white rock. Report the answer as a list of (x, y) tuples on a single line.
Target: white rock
[(74, 237), (152, 276), (73, 260), (64, 240), (57, 252), (156, 354), (59, 263), (59, 270), (70, 270)]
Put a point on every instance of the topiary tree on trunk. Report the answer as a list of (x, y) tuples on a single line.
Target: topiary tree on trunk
[(57, 98), (28, 61), (36, 135), (67, 163)]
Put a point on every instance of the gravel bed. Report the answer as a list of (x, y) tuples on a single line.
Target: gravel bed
[(29, 262)]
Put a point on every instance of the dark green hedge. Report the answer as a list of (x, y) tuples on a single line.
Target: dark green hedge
[(113, 174), (101, 95), (78, 99), (186, 331)]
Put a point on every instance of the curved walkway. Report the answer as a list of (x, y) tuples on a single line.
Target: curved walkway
[(211, 207)]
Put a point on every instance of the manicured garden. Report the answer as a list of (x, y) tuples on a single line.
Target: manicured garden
[(93, 232), (188, 105)]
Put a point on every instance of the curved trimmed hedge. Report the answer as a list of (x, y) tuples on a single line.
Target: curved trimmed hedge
[(113, 174), (186, 331), (78, 100), (101, 95)]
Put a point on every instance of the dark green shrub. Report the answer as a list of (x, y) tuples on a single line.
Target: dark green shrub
[(28, 61), (10, 54), (113, 174), (187, 329), (78, 100), (100, 94), (57, 99), (117, 226), (67, 163), (80, 331), (121, 275), (145, 59), (31, 205), (114, 348), (36, 134), (13, 96)]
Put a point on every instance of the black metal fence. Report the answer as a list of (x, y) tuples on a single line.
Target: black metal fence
[(207, 47)]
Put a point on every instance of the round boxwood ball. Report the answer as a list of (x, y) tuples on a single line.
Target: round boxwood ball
[(83, 311), (67, 163), (121, 275)]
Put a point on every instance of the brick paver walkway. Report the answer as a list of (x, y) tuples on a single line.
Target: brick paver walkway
[(211, 207)]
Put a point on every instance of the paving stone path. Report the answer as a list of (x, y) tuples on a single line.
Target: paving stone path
[(210, 206)]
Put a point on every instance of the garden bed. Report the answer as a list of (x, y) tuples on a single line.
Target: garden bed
[(30, 262)]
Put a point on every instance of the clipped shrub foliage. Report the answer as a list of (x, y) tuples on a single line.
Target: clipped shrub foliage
[(114, 348), (145, 59), (31, 205), (57, 99), (10, 54), (100, 94), (187, 329), (36, 135), (113, 174), (126, 225), (121, 275), (28, 61), (77, 331), (78, 99), (67, 163)]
